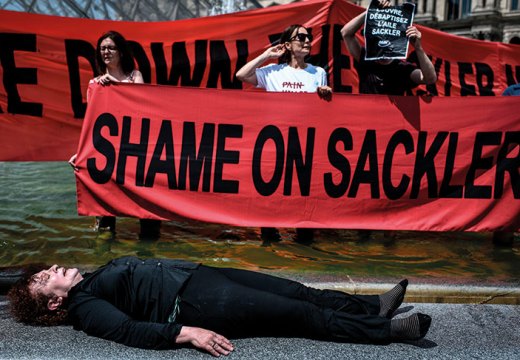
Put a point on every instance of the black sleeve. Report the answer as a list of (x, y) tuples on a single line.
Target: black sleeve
[(99, 318), (405, 70)]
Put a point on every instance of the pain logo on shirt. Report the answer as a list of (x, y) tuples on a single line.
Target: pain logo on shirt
[(293, 85)]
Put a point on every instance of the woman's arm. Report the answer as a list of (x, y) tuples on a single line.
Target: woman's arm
[(98, 317), (248, 72), (324, 91), (426, 73), (138, 77), (349, 35), (352, 27)]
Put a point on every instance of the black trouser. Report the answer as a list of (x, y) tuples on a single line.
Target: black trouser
[(149, 228), (240, 303)]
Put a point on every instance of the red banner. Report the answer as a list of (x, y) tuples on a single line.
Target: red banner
[(370, 162), (46, 62)]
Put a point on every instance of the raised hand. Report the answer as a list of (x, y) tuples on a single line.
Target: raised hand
[(274, 52), (415, 36), (384, 4)]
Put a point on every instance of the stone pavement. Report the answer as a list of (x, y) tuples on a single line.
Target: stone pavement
[(458, 331)]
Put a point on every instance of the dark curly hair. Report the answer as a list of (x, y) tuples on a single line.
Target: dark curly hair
[(286, 37), (125, 54), (32, 309)]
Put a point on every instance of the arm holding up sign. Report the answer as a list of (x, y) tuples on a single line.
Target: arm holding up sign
[(349, 35), (352, 27), (426, 74), (383, 75)]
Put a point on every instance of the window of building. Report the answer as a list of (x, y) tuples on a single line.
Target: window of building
[(514, 5), (458, 9)]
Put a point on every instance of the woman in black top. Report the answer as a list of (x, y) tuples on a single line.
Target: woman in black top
[(163, 303)]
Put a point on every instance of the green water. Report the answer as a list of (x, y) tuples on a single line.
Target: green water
[(39, 223)]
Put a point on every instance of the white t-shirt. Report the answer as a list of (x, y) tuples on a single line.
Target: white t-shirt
[(284, 78)]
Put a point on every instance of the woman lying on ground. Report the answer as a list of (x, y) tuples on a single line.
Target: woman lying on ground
[(161, 303)]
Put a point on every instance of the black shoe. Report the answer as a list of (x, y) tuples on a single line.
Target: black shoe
[(150, 229), (411, 328), (391, 300), (304, 236), (105, 223), (364, 235), (404, 285), (270, 234)]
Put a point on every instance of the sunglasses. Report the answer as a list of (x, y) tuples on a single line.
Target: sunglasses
[(301, 37)]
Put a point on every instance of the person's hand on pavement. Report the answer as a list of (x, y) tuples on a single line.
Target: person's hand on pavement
[(204, 339)]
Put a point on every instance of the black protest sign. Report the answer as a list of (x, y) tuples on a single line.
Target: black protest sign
[(385, 31)]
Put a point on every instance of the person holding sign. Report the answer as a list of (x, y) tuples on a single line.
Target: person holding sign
[(385, 74), (164, 303), (115, 63), (292, 74)]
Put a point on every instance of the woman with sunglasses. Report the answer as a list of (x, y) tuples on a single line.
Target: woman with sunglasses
[(115, 63), (292, 74)]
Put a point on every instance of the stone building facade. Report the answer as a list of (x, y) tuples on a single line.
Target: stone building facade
[(493, 20)]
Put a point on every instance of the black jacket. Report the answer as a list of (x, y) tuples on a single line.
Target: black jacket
[(391, 79), (129, 300)]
